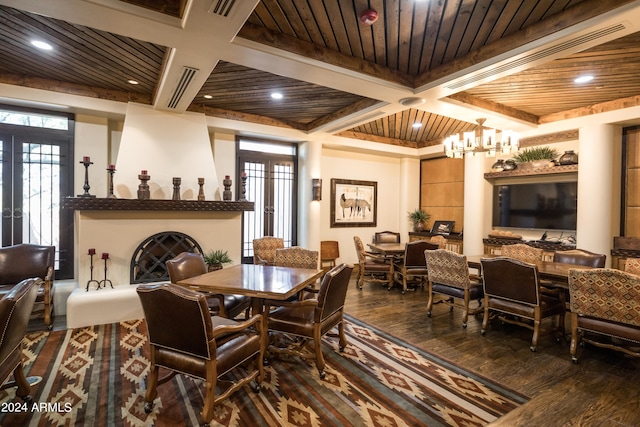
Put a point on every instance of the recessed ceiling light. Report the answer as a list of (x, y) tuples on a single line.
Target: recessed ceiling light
[(208, 96), (416, 125), (41, 45), (276, 95), (583, 79), (132, 82)]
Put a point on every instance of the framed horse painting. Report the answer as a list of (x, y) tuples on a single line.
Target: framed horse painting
[(354, 203)]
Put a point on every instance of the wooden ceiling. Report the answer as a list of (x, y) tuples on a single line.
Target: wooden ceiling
[(512, 61)]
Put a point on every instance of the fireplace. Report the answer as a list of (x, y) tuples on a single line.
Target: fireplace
[(148, 260)]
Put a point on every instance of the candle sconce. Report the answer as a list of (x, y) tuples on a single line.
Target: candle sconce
[(316, 189)]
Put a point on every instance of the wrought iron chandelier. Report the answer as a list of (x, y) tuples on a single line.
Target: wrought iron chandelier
[(481, 140)]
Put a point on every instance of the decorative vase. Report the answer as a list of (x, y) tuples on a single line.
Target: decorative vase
[(498, 166), (509, 165), (418, 226), (568, 158), (214, 267)]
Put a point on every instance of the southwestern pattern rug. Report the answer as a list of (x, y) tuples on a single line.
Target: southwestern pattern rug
[(96, 376)]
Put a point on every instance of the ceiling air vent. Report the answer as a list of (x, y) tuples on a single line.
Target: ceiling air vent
[(221, 7), (536, 56), (187, 75)]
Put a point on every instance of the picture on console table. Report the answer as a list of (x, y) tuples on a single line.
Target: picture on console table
[(354, 203), (442, 227)]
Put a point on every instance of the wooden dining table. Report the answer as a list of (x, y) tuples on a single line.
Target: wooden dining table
[(388, 249), (260, 282), (555, 272)]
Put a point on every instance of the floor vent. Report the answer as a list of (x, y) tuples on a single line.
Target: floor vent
[(186, 77)]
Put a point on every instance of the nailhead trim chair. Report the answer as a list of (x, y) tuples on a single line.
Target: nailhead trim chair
[(580, 257), (373, 267), (386, 237), (413, 263), (449, 276), (24, 261), (605, 310), (15, 309), (311, 319), (264, 249), (185, 339), (512, 292), (189, 264)]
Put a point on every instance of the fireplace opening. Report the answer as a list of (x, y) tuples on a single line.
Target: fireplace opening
[(148, 260)]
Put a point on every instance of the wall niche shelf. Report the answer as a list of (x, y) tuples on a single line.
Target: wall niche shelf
[(554, 170), (100, 204)]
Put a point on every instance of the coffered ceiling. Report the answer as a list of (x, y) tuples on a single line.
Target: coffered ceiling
[(438, 63)]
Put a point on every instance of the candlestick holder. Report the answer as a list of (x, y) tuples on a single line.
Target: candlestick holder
[(201, 190), (176, 188), (92, 280), (143, 188), (86, 162), (111, 172), (243, 187), (103, 283), (226, 194)]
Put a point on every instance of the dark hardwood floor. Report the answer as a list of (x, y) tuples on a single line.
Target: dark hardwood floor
[(601, 390)]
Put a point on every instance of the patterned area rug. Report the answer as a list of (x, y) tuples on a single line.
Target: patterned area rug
[(96, 376)]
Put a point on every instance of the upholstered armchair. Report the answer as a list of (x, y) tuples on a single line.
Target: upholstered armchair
[(296, 257), (522, 252), (580, 257), (264, 249), (512, 293), (373, 267), (448, 275), (24, 261), (189, 264), (632, 265), (413, 264), (15, 310), (605, 310), (439, 240), (310, 319)]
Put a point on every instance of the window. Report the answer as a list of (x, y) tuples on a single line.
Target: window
[(271, 170), (35, 174)]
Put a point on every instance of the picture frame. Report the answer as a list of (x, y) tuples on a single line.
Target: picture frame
[(442, 227), (354, 203)]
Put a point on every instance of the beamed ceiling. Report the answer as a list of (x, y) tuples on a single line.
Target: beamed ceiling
[(510, 61)]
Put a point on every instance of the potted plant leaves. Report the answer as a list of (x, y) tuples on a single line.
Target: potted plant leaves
[(216, 258), (536, 157), (419, 219)]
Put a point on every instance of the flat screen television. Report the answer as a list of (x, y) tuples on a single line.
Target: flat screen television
[(548, 205)]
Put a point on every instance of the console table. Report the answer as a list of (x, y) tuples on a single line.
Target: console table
[(493, 246)]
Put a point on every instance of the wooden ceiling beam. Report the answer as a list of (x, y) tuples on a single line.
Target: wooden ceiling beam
[(244, 117), (309, 50), (376, 138), (495, 107), (574, 15), (343, 112), (603, 107)]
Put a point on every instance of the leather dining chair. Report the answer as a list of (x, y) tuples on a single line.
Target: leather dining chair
[(580, 257), (373, 267), (449, 276), (264, 249), (185, 339), (15, 310), (24, 261), (604, 310), (413, 263), (386, 237), (310, 319), (189, 264), (512, 293)]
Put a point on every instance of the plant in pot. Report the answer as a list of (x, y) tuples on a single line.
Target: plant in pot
[(216, 258), (419, 219), (536, 157)]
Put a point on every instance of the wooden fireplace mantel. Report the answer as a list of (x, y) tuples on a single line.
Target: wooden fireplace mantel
[(105, 204)]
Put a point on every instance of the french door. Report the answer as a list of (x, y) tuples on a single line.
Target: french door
[(271, 185), (33, 179)]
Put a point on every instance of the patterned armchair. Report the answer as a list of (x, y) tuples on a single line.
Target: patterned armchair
[(522, 252), (632, 265), (264, 249), (373, 267), (605, 310), (296, 257), (441, 241), (449, 276)]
